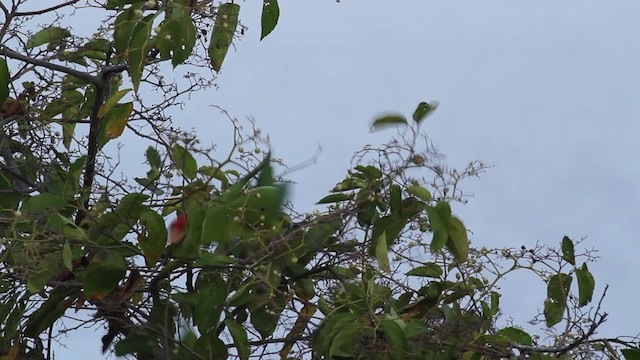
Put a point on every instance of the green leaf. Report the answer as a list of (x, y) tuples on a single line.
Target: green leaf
[(458, 243), (67, 134), (439, 228), (135, 343), (420, 192), (51, 310), (265, 321), (631, 354), (184, 161), (394, 333), (138, 49), (215, 173), (423, 110), (429, 270), (69, 99), (568, 253), (387, 121), (516, 335), (153, 157), (382, 253), (67, 257), (114, 122), (123, 27), (586, 284), (154, 241), (47, 35), (106, 269), (112, 101), (240, 339), (553, 312), (559, 287), (4, 81), (270, 15), (177, 35), (334, 198), (222, 35), (214, 260)]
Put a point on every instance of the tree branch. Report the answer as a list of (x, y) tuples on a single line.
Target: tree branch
[(44, 11)]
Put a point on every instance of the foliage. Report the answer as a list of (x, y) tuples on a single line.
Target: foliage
[(383, 269)]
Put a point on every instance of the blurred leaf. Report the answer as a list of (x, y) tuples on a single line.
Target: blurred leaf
[(135, 343), (568, 253), (106, 269), (240, 339), (191, 246), (114, 122), (420, 192), (67, 257), (222, 34), (184, 161), (458, 242), (516, 335), (394, 333), (333, 198), (214, 260), (382, 254), (265, 321), (388, 121), (215, 173), (153, 157), (154, 241), (4, 81), (631, 354), (423, 110), (586, 284), (49, 311), (429, 270), (47, 35), (270, 15), (112, 101), (68, 99)]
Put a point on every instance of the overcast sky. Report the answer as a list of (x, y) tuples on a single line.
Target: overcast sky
[(546, 91)]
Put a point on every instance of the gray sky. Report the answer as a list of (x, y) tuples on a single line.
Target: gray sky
[(546, 91)]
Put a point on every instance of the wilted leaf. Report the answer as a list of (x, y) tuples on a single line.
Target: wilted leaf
[(114, 122)]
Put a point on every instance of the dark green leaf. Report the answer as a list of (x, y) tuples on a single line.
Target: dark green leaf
[(214, 260), (240, 339), (123, 29), (222, 35), (568, 253), (270, 15), (586, 284), (429, 270), (631, 354), (4, 81), (153, 242), (423, 110), (47, 35), (104, 272), (333, 198), (184, 161), (135, 343), (516, 335), (387, 121), (394, 333), (553, 312), (51, 310), (264, 321), (153, 157), (559, 287)]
